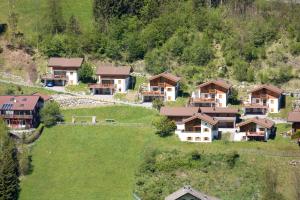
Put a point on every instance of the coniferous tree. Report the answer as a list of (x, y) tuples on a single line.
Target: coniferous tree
[(9, 182), (12, 20), (55, 22), (73, 26)]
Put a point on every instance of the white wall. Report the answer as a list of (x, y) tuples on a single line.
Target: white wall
[(170, 95), (72, 77)]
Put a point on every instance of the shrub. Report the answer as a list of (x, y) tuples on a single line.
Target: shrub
[(232, 158), (157, 104), (85, 73), (50, 113), (24, 161), (295, 48), (33, 137), (195, 155), (164, 126)]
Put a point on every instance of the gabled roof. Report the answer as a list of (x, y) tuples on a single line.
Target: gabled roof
[(106, 70), (19, 102), (189, 190), (167, 76), (203, 117), (219, 82), (294, 117), (219, 110), (43, 96), (262, 122), (272, 88), (179, 111), (65, 62)]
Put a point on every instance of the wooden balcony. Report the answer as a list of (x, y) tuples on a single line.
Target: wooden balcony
[(255, 134), (17, 116), (53, 77), (153, 93), (202, 100), (101, 85)]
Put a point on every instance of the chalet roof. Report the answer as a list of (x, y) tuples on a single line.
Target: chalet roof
[(294, 117), (65, 62), (43, 96), (20, 102), (219, 82), (272, 88), (189, 190), (219, 110), (179, 111), (203, 117), (260, 121), (167, 76), (109, 70)]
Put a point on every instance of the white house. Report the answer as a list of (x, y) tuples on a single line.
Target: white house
[(255, 129), (211, 94), (163, 86), (63, 71), (264, 99), (111, 80), (198, 128)]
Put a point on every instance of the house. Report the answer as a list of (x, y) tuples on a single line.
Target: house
[(189, 193), (20, 111), (178, 114), (111, 80), (198, 128), (213, 93), (63, 71), (227, 117), (264, 99), (43, 96), (294, 118), (255, 129), (164, 86)]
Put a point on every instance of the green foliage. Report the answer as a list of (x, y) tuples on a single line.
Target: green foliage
[(234, 97), (36, 134), (270, 186), (50, 113), (54, 18), (24, 159), (296, 135), (295, 48), (157, 104), (86, 73), (73, 26), (164, 126), (9, 182)]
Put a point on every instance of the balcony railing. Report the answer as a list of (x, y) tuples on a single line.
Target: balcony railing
[(54, 77), (202, 100), (153, 93), (101, 85), (258, 133), (17, 116)]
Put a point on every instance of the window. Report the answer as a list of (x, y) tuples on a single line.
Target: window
[(272, 101), (189, 138), (119, 81), (272, 109), (206, 138), (220, 96), (206, 130), (71, 73), (257, 100), (169, 98), (206, 95), (169, 89), (197, 139)]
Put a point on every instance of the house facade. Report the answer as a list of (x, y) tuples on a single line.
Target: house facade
[(264, 99), (21, 112), (212, 94), (198, 128), (63, 71), (294, 118), (189, 193), (227, 117), (255, 129), (164, 86), (112, 80)]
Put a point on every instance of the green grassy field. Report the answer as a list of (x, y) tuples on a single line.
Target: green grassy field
[(4, 88), (99, 162), (31, 13)]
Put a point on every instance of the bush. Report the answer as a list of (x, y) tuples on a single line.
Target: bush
[(33, 137), (50, 113), (24, 159), (195, 155), (295, 48), (232, 158), (164, 126), (85, 73), (157, 104)]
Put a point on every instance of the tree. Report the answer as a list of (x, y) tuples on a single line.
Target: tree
[(50, 113), (157, 104), (9, 182), (12, 20), (55, 22), (73, 26), (86, 73), (164, 126)]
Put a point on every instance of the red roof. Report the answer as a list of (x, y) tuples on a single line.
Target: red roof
[(20, 102), (203, 117), (262, 122), (65, 62), (294, 117), (106, 70), (43, 96), (219, 110), (179, 111), (272, 88), (167, 76), (219, 82)]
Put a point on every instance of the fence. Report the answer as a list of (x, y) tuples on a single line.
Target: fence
[(104, 123)]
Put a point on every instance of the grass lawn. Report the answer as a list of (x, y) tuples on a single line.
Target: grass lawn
[(80, 88), (283, 113), (4, 87)]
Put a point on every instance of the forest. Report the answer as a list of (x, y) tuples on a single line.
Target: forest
[(244, 40)]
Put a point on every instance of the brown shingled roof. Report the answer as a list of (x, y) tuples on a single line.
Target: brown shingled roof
[(219, 82), (65, 62), (179, 111), (203, 117), (262, 122), (189, 190), (294, 117), (218, 110), (272, 88), (167, 76), (20, 102), (43, 96), (106, 70)]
